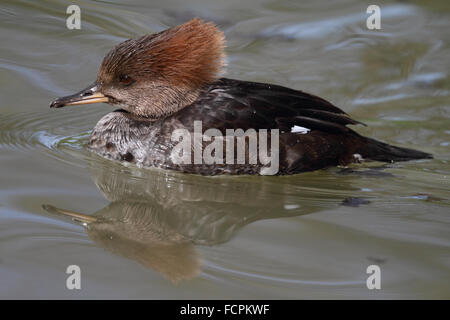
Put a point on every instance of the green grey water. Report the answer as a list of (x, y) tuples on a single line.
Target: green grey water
[(154, 234)]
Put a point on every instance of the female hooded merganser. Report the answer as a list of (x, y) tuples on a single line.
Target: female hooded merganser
[(169, 80)]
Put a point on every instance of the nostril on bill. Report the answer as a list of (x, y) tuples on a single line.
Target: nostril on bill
[(86, 93)]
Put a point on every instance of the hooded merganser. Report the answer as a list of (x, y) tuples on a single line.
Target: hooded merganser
[(168, 80)]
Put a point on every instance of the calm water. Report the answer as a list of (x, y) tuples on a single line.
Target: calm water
[(157, 234)]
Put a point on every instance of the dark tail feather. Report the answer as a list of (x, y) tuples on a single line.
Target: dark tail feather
[(380, 151)]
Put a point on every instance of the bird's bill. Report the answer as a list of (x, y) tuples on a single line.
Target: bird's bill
[(75, 216), (89, 95)]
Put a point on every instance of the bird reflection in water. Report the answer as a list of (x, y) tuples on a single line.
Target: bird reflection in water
[(158, 219)]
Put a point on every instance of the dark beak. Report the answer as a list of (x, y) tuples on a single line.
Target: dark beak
[(89, 95)]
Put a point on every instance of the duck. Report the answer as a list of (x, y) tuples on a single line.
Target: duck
[(170, 85)]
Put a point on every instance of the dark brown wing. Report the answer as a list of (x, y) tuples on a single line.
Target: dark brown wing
[(233, 104)]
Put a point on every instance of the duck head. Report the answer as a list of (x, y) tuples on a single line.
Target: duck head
[(159, 74)]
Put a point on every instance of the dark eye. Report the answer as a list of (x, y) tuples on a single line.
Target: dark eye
[(126, 80)]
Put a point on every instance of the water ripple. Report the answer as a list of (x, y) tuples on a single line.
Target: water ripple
[(51, 133)]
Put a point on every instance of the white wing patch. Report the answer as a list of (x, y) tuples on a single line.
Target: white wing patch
[(301, 130)]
